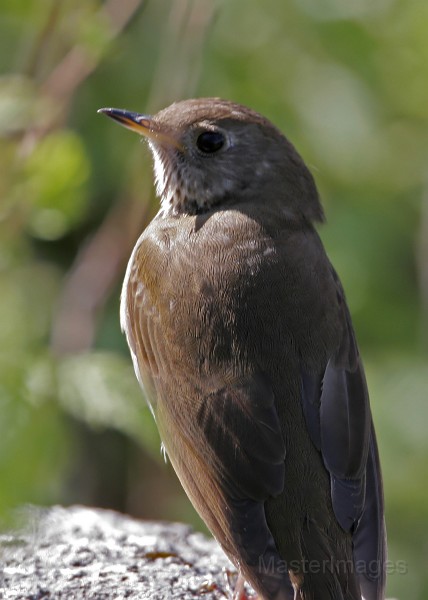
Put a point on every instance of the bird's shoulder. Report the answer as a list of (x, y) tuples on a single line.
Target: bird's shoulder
[(225, 248), (212, 271)]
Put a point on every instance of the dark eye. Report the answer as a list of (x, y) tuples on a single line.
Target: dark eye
[(210, 141)]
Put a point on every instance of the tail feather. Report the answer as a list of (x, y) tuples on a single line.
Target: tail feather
[(329, 574)]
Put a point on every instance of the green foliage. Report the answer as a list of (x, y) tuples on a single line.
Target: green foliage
[(54, 180), (346, 81), (101, 389)]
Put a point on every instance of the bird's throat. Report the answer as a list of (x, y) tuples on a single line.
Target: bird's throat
[(178, 192)]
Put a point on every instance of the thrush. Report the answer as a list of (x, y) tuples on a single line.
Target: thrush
[(241, 337)]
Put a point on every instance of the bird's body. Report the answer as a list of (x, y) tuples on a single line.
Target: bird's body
[(242, 339)]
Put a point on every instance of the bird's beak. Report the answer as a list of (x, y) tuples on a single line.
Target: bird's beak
[(142, 124)]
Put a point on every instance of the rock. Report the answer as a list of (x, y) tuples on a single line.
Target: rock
[(82, 553)]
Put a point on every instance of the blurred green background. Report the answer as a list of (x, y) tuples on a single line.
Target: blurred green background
[(346, 81)]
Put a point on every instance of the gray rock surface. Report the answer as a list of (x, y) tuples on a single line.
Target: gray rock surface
[(80, 553)]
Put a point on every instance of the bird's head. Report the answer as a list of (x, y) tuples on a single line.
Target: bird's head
[(208, 152)]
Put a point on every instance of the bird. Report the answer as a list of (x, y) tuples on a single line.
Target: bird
[(242, 340)]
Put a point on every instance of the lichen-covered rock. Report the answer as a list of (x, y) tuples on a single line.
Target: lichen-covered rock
[(80, 553)]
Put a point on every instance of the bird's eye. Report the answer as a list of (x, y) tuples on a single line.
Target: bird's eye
[(210, 141)]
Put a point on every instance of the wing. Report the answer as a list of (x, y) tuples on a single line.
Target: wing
[(338, 417), (245, 451), (224, 441), (232, 420)]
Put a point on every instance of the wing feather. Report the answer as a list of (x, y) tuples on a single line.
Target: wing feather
[(338, 417)]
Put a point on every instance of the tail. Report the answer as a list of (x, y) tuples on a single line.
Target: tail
[(330, 574)]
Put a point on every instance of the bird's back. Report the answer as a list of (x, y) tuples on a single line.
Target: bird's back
[(223, 346)]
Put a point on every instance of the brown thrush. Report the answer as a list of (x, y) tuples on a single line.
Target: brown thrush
[(242, 339)]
